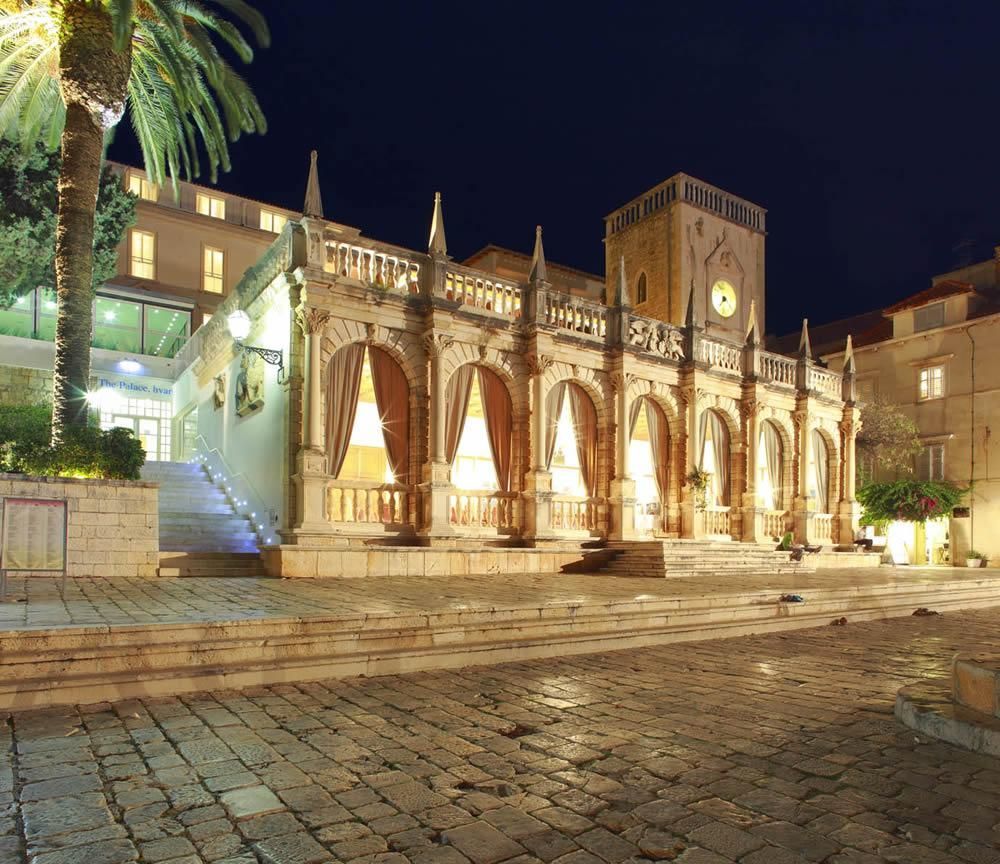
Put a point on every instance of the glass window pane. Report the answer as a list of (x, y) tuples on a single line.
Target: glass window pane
[(166, 330), (18, 319), (143, 254), (208, 205), (214, 270), (117, 325)]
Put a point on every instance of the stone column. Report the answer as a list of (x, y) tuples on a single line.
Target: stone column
[(753, 513), (692, 516), (310, 478), (849, 514), (804, 506), (622, 486), (436, 487), (538, 484)]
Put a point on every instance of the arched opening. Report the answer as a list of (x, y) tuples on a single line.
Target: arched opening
[(571, 455), (640, 289), (649, 464), (714, 458), (367, 436), (770, 468), (479, 443), (819, 471)]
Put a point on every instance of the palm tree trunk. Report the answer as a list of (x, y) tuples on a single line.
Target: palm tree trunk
[(79, 180)]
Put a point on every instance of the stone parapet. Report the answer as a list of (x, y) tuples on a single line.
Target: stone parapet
[(112, 525)]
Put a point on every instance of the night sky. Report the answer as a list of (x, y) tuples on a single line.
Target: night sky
[(867, 129)]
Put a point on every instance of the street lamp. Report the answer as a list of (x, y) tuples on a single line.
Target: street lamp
[(239, 329)]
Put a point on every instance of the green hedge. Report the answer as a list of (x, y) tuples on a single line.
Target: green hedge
[(112, 454)]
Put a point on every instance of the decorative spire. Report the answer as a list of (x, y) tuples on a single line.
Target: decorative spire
[(805, 348), (314, 200), (849, 356), (621, 289), (753, 328), (537, 273), (690, 319), (437, 245)]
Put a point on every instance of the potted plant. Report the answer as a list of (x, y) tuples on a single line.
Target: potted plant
[(698, 480), (975, 559)]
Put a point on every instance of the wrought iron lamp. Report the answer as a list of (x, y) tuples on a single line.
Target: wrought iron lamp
[(239, 329)]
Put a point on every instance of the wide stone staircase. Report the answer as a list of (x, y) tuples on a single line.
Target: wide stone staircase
[(671, 558), (200, 533)]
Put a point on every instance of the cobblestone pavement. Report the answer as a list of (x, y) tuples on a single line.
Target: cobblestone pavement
[(766, 750), (93, 602)]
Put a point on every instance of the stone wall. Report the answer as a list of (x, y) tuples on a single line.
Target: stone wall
[(113, 525), (20, 386)]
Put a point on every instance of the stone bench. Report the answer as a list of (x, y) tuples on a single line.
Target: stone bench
[(975, 682)]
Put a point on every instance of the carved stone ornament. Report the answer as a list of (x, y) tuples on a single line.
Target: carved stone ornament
[(621, 381), (248, 393), (311, 320), (219, 390), (539, 364), (371, 333), (436, 344), (656, 338)]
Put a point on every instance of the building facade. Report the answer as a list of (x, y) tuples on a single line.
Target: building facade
[(936, 355), (422, 401)]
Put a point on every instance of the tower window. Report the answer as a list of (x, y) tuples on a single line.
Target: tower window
[(640, 289)]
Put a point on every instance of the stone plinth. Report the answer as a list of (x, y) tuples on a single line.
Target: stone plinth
[(975, 682)]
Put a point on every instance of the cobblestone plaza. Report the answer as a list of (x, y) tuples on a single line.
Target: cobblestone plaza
[(764, 750)]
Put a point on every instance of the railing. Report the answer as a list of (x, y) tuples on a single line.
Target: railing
[(481, 509), (722, 355), (573, 514), (378, 268), (777, 369), (824, 381), (717, 520), (483, 292), (773, 523), (359, 502), (579, 316), (822, 526)]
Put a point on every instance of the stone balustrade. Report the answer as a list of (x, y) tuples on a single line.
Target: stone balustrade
[(777, 369), (822, 527), (483, 292), (824, 381), (380, 267), (582, 317), (724, 356), (773, 523), (717, 521), (481, 509), (570, 513), (360, 503)]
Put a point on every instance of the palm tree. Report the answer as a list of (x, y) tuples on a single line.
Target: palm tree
[(68, 71)]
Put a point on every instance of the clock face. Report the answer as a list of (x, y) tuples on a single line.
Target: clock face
[(724, 298)]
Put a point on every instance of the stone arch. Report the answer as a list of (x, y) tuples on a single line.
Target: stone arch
[(831, 442), (663, 395), (787, 441), (641, 288), (731, 425)]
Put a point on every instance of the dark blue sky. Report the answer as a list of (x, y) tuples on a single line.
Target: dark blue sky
[(867, 129)]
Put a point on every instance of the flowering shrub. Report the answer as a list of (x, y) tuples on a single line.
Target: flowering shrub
[(908, 501)]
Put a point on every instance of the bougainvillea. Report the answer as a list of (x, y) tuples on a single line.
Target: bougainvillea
[(908, 501)]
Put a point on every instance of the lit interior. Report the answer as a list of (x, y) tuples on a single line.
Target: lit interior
[(567, 479), (473, 468), (366, 458), (640, 460)]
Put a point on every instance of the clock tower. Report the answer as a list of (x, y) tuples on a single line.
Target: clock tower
[(685, 234)]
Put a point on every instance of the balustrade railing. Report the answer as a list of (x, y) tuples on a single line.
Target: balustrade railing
[(773, 523), (582, 317), (824, 381), (822, 526), (376, 267), (717, 520), (573, 514), (722, 355), (777, 369), (363, 503), (481, 509), (483, 292)]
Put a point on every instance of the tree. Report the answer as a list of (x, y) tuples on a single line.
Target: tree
[(68, 70), (888, 440), (28, 198)]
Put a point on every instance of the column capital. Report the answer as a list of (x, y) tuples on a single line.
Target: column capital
[(311, 320), (621, 381), (436, 344), (539, 364)]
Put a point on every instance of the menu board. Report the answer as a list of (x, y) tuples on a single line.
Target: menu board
[(34, 534)]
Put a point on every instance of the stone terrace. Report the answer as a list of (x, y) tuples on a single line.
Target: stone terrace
[(777, 749)]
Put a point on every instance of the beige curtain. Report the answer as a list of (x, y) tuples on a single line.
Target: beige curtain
[(712, 423), (769, 450), (821, 472), (392, 397), (343, 384), (456, 407), (659, 444), (585, 427), (553, 409), (499, 423), (633, 417)]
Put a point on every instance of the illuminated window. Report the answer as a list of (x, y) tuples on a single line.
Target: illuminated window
[(271, 221), (473, 468), (567, 478), (640, 289), (932, 382), (214, 270), (209, 205), (139, 185), (366, 458), (930, 462), (143, 255)]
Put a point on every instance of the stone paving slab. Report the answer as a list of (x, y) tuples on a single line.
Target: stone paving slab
[(775, 749)]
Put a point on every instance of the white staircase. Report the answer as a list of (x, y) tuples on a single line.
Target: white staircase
[(200, 533), (668, 558)]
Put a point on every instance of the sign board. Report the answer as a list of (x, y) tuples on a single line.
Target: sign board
[(32, 537)]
